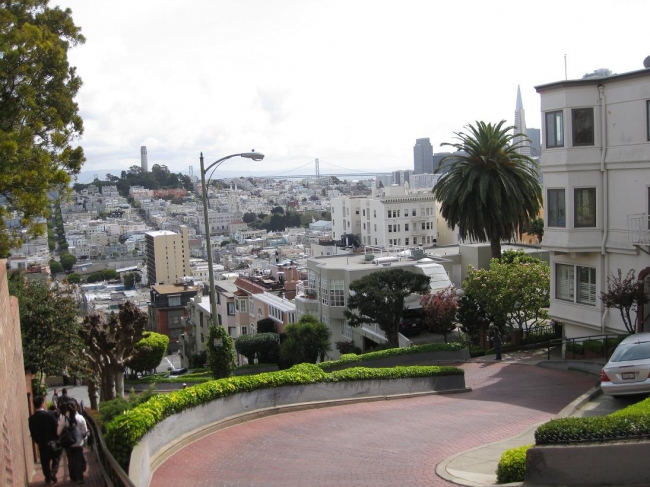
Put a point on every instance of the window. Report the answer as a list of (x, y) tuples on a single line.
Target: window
[(406, 227), (413, 214), (390, 228), (244, 330), (231, 308), (346, 330), (584, 206), (337, 293), (556, 205), (554, 129), (363, 213), (240, 305), (583, 126), (565, 284), (175, 300), (232, 331), (647, 118), (323, 291), (201, 320), (406, 241)]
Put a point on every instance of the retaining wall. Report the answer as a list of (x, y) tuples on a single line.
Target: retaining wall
[(594, 464), (421, 358), (181, 429)]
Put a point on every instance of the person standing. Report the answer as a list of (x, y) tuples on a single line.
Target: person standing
[(75, 453), (55, 398), (497, 341), (43, 428)]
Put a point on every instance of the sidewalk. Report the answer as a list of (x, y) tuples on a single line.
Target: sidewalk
[(92, 477), (477, 467)]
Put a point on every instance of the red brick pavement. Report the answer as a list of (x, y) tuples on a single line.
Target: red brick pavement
[(385, 443)]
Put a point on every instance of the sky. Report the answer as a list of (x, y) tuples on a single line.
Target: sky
[(350, 82)]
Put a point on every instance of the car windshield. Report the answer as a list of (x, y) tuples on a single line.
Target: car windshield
[(631, 351)]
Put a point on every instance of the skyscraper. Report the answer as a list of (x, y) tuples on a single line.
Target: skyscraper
[(144, 163), (520, 126), (422, 157)]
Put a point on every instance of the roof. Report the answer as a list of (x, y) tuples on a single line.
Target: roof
[(592, 81), (172, 289)]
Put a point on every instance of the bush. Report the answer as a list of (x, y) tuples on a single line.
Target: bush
[(391, 352), (221, 359), (512, 465), (148, 352), (595, 346), (576, 348), (55, 267), (126, 430), (266, 346), (108, 410), (266, 325), (540, 338)]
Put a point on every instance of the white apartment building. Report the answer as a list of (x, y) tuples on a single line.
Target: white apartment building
[(218, 222), (398, 218), (596, 169)]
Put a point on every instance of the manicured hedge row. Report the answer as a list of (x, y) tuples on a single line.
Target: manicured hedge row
[(350, 358), (632, 422), (124, 432), (512, 465)]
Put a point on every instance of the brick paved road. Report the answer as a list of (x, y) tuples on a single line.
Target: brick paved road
[(385, 443)]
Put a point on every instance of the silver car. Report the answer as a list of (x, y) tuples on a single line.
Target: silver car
[(628, 369)]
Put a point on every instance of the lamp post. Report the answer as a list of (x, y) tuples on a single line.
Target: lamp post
[(256, 156)]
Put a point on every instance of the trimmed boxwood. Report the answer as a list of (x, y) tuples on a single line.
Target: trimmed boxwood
[(350, 358), (126, 430), (632, 422), (512, 465), (576, 348), (595, 346)]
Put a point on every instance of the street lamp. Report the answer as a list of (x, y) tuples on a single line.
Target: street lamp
[(256, 156)]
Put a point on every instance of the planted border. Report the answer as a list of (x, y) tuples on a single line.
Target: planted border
[(351, 358), (632, 422), (126, 430)]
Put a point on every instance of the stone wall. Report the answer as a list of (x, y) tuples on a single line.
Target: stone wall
[(16, 451)]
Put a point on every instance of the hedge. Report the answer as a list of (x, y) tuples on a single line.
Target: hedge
[(512, 465), (632, 422), (350, 358), (126, 430)]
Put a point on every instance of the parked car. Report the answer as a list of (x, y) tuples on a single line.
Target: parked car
[(628, 370), (411, 322)]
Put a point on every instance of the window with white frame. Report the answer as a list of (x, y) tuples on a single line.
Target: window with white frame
[(251, 306), (323, 290), (554, 129), (291, 317), (311, 282), (346, 330), (337, 293), (240, 304), (584, 206), (556, 206), (244, 330), (232, 331), (569, 277)]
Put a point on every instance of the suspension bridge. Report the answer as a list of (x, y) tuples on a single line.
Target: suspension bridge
[(323, 170)]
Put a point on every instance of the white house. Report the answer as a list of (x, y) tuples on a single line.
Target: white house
[(596, 170)]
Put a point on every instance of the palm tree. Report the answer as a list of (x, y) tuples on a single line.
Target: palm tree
[(490, 189)]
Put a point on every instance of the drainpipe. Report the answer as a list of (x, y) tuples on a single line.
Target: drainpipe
[(604, 256)]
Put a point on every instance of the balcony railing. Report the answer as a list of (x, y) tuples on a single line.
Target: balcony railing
[(638, 228)]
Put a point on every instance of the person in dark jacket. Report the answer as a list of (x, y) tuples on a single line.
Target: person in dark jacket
[(43, 428), (497, 341)]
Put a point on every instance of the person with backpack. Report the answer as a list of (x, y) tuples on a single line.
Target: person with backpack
[(72, 431), (43, 428)]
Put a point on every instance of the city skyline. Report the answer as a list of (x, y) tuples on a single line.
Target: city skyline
[(352, 84)]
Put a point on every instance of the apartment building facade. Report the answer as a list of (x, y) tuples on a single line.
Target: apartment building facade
[(596, 170), (168, 256)]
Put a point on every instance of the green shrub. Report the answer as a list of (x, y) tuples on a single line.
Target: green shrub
[(476, 352), (512, 465), (266, 346), (124, 431), (632, 422), (350, 358), (576, 348), (595, 346), (541, 338)]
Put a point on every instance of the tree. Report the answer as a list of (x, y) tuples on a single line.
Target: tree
[(306, 341), (440, 311), (148, 352), (624, 294), (130, 279), (249, 217), (472, 317), (513, 293), (277, 210), (536, 227), (55, 267), (221, 352), (263, 346), (48, 323), (110, 344), (68, 261), (73, 278), (379, 298), (490, 190), (39, 118)]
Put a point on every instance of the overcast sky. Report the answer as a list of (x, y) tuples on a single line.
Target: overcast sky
[(350, 82)]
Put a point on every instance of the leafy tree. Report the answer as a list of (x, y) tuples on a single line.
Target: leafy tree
[(48, 322), (277, 210), (264, 346), (511, 293), (95, 277), (535, 227), (148, 352), (624, 294), (490, 189), (130, 279), (472, 317), (379, 298), (39, 118), (55, 267), (440, 311), (249, 217), (266, 325), (221, 358), (306, 341), (110, 343), (110, 273), (73, 278), (68, 261)]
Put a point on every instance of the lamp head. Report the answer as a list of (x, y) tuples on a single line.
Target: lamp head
[(256, 156)]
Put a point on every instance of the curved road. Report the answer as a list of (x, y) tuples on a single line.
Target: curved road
[(383, 443)]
